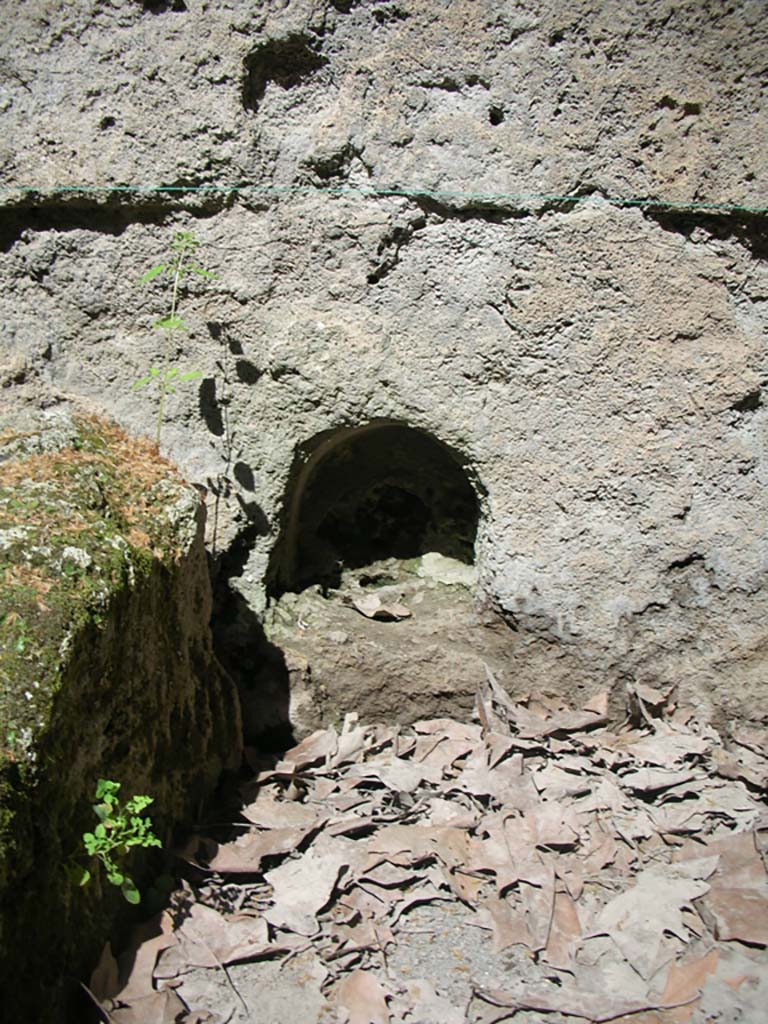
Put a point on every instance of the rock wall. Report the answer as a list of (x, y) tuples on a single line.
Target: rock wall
[(106, 671), (534, 232)]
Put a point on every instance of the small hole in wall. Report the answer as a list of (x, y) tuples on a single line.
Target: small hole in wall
[(496, 115), (749, 403), (288, 62), (106, 122), (387, 14), (160, 6)]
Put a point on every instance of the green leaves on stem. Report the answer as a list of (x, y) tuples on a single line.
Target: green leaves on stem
[(119, 828), (170, 375), (183, 247)]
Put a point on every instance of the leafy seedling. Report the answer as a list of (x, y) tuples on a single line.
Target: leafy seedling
[(119, 828), (181, 264)]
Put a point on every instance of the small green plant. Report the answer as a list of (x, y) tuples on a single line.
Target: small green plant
[(119, 828), (181, 264)]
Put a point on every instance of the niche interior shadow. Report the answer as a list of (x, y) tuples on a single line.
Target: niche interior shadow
[(358, 495)]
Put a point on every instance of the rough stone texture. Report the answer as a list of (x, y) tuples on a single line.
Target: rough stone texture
[(598, 370), (106, 670), (336, 659)]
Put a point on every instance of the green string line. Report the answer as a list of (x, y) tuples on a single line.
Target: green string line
[(384, 191)]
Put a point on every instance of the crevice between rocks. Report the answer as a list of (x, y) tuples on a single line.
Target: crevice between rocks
[(489, 210), (163, 6), (747, 228), (390, 246), (106, 215), (110, 213), (683, 563)]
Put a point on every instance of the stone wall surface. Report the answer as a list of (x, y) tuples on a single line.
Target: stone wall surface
[(597, 368)]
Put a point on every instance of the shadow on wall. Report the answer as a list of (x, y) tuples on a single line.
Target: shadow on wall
[(358, 495), (256, 665)]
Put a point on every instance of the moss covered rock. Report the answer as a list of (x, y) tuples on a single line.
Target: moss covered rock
[(106, 670)]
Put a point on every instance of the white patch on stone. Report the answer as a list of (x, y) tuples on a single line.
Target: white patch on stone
[(79, 556), (450, 571), (10, 536)]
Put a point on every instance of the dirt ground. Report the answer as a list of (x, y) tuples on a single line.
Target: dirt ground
[(530, 865)]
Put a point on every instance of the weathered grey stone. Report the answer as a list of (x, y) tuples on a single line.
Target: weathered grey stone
[(597, 370), (437, 567)]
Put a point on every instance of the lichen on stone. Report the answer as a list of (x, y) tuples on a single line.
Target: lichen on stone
[(83, 512)]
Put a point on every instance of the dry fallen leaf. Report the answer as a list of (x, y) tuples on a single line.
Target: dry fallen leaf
[(740, 869), (206, 938), (535, 726), (651, 696), (667, 746), (504, 783), (449, 728), (244, 855), (321, 745), (163, 1007), (427, 1007), (599, 1007), (562, 840), (149, 941), (269, 811), (427, 892), (564, 933), (654, 780), (363, 998), (637, 919), (372, 606), (450, 812), (685, 982), (104, 983), (509, 922), (351, 743), (303, 886), (551, 824), (754, 739), (396, 773), (740, 914)]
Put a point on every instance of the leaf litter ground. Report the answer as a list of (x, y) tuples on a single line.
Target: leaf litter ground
[(532, 866)]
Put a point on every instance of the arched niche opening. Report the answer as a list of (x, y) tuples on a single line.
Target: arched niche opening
[(360, 495)]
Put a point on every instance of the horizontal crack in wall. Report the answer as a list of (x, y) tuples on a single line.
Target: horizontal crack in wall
[(110, 216), (749, 229), (490, 212), (72, 210)]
